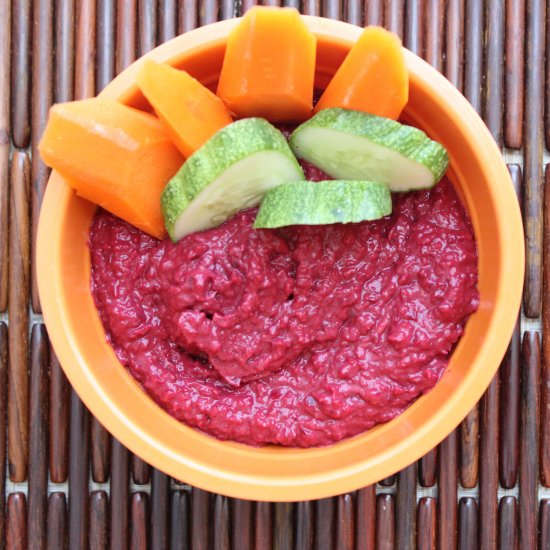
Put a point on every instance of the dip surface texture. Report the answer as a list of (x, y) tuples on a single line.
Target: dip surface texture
[(300, 336)]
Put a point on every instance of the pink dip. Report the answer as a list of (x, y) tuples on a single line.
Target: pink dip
[(301, 336)]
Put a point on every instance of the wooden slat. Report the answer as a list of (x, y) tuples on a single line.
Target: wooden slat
[(125, 34), (509, 401), (200, 512), (469, 450), (38, 438), (119, 496), (385, 522), (405, 523), (105, 65), (57, 522), (179, 521), (141, 471), (160, 486), (101, 451), (147, 25), (366, 518), (263, 531), (547, 110), (467, 523), (393, 16), (533, 125), (332, 9), (242, 516), (304, 525), (139, 524), (517, 179), (427, 470), (454, 43), (473, 66), (545, 375), (220, 523), (59, 421), (99, 520), (79, 463), (448, 486), (283, 528), (85, 49), (507, 524), (187, 16), (345, 523), (42, 99), (514, 63), (528, 452), (3, 431), (388, 481), (168, 20), (5, 135), (19, 245), (374, 12), (544, 524), (20, 72), (426, 524), (434, 36), (16, 519), (64, 51), (494, 30), (208, 12), (311, 7), (228, 9), (353, 12), (324, 524), (488, 474), (414, 26)]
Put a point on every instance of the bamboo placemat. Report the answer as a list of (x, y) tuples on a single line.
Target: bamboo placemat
[(65, 483)]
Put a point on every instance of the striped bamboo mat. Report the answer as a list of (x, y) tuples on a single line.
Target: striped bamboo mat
[(65, 483)]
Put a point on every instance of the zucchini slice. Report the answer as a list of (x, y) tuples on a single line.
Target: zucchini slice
[(323, 202), (230, 172), (353, 145)]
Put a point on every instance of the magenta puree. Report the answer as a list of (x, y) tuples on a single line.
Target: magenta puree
[(301, 336)]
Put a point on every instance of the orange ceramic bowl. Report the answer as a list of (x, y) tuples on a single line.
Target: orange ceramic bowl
[(270, 473)]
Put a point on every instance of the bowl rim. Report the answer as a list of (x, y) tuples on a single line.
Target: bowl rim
[(341, 480)]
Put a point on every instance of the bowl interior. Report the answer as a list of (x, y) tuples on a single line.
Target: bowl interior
[(270, 473)]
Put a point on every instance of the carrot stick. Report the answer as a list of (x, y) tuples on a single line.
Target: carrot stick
[(373, 77), (190, 112), (113, 155), (269, 66)]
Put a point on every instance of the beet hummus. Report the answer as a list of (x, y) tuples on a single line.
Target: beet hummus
[(299, 336)]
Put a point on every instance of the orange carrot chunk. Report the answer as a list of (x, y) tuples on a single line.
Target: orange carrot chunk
[(114, 156), (190, 112), (269, 66), (373, 77)]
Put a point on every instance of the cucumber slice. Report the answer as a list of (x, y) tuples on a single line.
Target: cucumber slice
[(230, 172), (358, 146), (323, 202)]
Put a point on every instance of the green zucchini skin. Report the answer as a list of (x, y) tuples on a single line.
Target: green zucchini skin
[(220, 155), (324, 202), (377, 148)]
